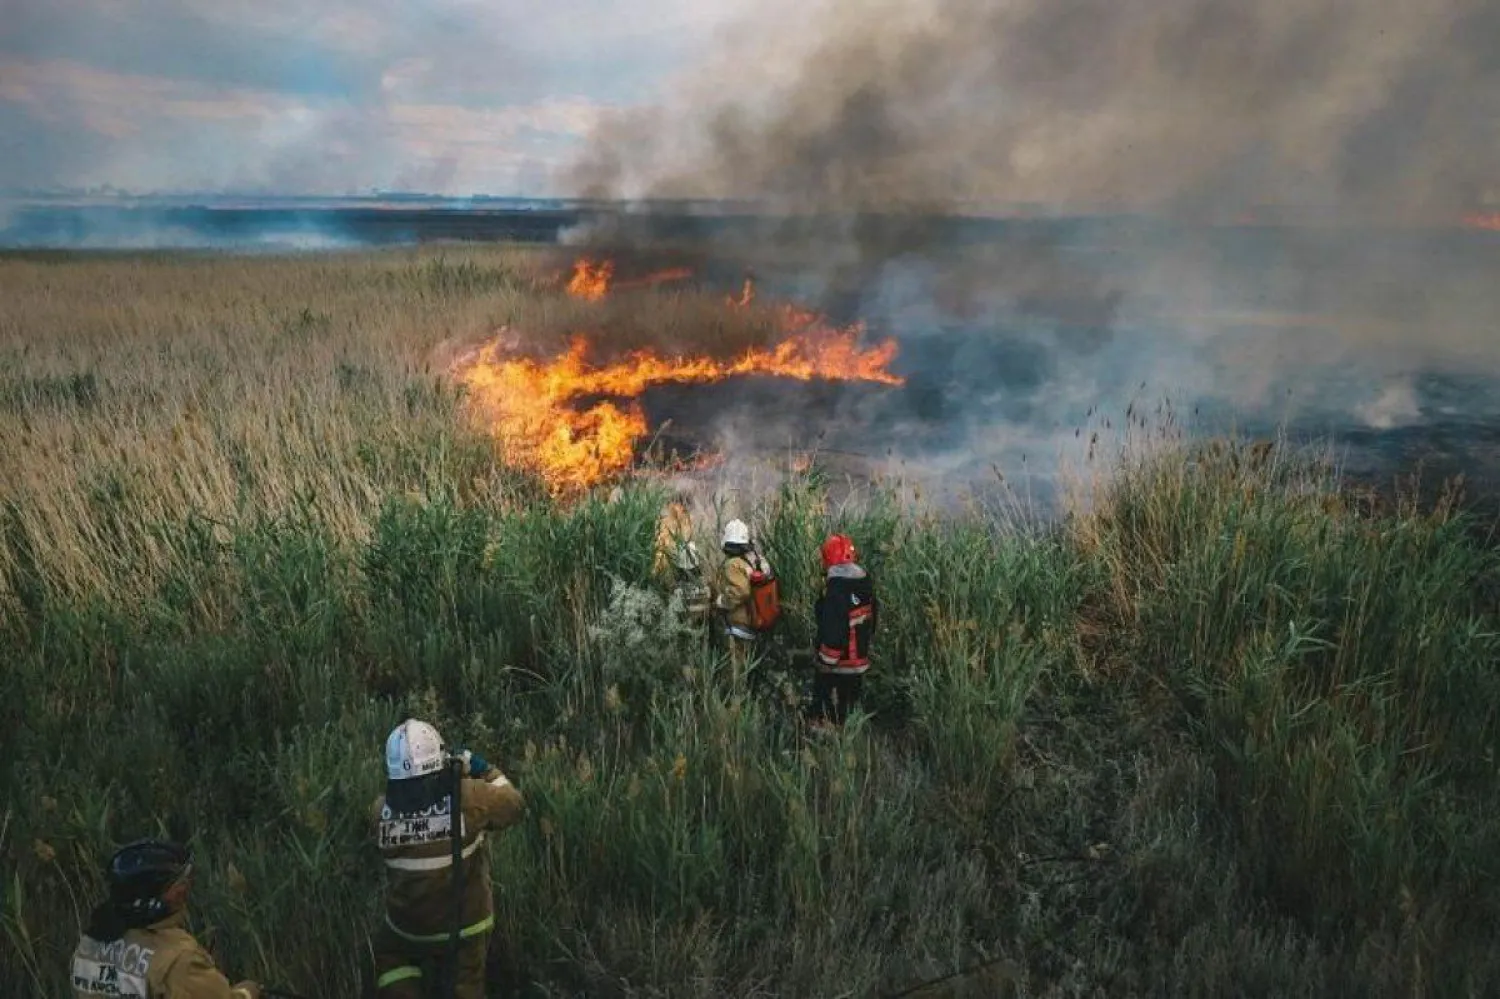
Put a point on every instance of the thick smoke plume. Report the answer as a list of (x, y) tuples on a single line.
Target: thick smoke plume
[(1364, 132), (1203, 107)]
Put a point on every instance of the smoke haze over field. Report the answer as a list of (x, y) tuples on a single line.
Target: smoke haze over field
[(865, 122), (861, 129)]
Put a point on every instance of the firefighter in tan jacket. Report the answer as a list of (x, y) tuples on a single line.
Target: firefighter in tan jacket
[(414, 823), (674, 530), (675, 564), (733, 593), (136, 945)]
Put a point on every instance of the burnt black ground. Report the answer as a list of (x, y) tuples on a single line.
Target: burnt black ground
[(1014, 334)]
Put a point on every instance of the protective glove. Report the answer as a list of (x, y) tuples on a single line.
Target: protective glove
[(474, 764)]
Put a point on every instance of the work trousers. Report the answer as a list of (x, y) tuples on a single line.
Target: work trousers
[(834, 694), (406, 970), (742, 654)]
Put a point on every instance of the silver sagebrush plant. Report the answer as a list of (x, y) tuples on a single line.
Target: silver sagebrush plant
[(637, 627)]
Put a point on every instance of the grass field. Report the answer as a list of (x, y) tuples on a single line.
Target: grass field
[(1226, 733)]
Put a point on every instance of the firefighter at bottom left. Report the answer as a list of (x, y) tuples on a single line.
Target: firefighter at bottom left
[(414, 822), (136, 945)]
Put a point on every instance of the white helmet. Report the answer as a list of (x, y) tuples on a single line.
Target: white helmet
[(413, 749), (736, 533)]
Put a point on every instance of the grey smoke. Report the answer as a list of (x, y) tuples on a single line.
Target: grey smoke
[(1356, 123), (1194, 106), (147, 226)]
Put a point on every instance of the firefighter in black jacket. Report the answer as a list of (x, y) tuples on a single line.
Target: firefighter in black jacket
[(846, 614)]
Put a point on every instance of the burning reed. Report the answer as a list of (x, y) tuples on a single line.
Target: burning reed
[(532, 406)]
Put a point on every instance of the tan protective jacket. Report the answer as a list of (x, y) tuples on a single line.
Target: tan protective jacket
[(675, 528), (419, 862), (161, 961), (734, 597)]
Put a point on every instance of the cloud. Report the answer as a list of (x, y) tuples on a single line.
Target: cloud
[(323, 95), (117, 104), (249, 138), (175, 40)]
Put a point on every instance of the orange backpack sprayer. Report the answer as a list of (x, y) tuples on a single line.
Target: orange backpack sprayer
[(765, 597)]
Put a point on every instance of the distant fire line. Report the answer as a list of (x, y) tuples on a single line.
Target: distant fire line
[(536, 408)]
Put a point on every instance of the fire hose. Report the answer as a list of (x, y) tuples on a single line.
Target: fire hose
[(456, 835)]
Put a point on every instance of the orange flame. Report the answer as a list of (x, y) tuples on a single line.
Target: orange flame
[(593, 281), (1491, 221), (747, 294), (590, 281), (660, 277), (531, 404)]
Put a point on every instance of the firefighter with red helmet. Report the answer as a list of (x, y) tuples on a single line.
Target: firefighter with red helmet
[(845, 613), (136, 943)]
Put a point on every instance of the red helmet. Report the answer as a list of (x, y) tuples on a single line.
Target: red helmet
[(837, 550)]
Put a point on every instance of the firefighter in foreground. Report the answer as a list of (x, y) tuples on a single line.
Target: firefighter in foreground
[(136, 945), (747, 594), (414, 823), (845, 614)]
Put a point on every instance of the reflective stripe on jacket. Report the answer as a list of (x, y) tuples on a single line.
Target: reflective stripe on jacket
[(846, 614), (418, 890)]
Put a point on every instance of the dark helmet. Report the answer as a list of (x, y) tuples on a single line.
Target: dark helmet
[(141, 872)]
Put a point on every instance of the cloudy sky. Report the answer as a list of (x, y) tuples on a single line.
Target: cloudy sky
[(327, 96)]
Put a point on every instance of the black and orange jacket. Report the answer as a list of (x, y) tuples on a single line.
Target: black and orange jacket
[(846, 613)]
